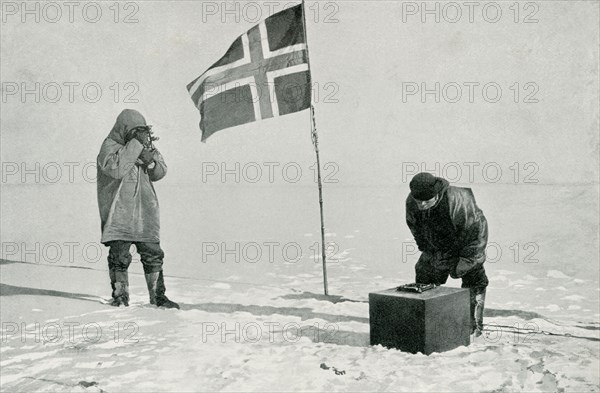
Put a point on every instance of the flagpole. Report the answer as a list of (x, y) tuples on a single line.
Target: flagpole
[(315, 141)]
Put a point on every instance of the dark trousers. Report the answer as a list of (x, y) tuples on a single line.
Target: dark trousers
[(119, 257), (437, 272), (476, 280)]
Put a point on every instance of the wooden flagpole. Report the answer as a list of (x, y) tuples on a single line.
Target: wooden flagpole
[(315, 141)]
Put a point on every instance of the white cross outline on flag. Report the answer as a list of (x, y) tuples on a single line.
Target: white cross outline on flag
[(226, 67), (271, 82), (250, 81), (282, 51), (253, 54)]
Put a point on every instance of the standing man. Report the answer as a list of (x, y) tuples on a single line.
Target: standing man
[(127, 165), (451, 231)]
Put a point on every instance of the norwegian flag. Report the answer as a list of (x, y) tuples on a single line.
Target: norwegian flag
[(263, 74)]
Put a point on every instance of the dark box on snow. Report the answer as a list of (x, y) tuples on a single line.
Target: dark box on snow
[(436, 320)]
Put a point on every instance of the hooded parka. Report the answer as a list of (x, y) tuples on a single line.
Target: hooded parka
[(126, 197)]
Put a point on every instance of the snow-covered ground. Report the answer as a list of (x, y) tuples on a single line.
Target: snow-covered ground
[(264, 325), (231, 336)]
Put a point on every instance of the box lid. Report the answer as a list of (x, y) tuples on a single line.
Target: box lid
[(430, 294)]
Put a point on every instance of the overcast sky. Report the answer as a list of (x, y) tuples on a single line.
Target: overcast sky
[(363, 59)]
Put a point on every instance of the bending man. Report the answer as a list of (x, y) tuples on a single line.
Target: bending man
[(451, 231)]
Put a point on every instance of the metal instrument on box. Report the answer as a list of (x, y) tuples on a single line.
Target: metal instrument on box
[(414, 287)]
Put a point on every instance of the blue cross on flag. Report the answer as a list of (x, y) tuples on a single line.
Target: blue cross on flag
[(263, 74)]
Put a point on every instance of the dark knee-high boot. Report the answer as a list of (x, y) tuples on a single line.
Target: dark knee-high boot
[(119, 282), (113, 279), (477, 305), (156, 290)]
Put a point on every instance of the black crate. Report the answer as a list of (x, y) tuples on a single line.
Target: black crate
[(436, 320)]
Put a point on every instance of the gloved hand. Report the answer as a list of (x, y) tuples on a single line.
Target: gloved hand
[(442, 261), (463, 266), (147, 156), (143, 134)]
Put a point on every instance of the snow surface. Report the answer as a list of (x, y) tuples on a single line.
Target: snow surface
[(542, 305), (240, 337)]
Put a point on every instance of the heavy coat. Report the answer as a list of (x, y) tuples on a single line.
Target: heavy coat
[(126, 197), (454, 231)]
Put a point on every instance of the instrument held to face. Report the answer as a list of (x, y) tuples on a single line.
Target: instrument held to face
[(144, 135)]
